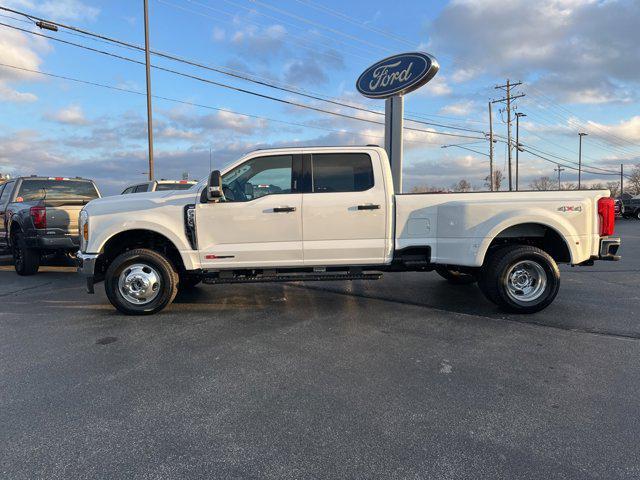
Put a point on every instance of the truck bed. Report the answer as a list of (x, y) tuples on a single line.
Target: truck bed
[(450, 222)]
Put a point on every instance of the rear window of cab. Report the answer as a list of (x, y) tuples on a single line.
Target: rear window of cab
[(39, 189)]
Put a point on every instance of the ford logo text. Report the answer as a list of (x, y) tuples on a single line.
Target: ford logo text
[(397, 75)]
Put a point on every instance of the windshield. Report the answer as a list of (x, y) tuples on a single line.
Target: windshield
[(174, 186), (57, 189)]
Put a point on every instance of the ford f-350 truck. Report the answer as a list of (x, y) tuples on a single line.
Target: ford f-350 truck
[(330, 214)]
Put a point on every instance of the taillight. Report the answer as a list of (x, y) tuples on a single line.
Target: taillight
[(607, 215), (39, 215)]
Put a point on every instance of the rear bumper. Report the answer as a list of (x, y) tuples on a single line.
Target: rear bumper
[(609, 249), (58, 242), (87, 268)]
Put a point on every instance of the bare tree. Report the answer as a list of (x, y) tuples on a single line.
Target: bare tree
[(462, 186), (614, 188), (498, 178), (597, 186), (569, 186), (542, 183), (633, 181)]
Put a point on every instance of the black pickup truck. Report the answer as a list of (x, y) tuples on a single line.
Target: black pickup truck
[(39, 216)]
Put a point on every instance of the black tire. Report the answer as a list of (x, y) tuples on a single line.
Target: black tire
[(25, 260), (188, 281), (455, 277), (494, 278), (151, 262), (636, 214)]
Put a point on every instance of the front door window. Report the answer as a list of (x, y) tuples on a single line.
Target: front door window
[(259, 177)]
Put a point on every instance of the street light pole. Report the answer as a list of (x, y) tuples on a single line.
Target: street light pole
[(491, 178), (581, 134), (559, 169), (149, 106), (518, 115)]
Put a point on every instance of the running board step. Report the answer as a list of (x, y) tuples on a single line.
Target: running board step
[(325, 277)]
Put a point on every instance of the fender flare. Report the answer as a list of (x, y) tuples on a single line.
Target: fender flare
[(153, 228), (539, 217)]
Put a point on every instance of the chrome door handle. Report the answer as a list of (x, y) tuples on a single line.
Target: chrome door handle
[(284, 209), (368, 207)]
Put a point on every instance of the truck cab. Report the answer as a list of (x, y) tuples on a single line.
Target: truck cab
[(331, 213)]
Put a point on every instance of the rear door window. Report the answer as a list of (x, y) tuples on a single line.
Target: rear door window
[(341, 172), (6, 193), (39, 189)]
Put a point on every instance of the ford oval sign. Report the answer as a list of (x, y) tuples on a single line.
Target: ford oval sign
[(397, 75)]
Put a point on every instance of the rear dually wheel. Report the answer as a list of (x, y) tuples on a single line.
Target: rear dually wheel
[(520, 279)]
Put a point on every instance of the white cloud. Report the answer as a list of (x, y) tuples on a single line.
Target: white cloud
[(71, 115), (437, 87), (218, 34), (580, 51), (625, 129), (463, 108), (57, 9), (10, 95)]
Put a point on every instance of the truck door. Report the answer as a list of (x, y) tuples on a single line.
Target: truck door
[(5, 192), (259, 221), (345, 214)]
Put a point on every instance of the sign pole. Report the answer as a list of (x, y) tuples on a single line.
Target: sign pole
[(394, 123)]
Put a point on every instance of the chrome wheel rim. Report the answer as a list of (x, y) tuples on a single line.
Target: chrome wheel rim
[(139, 284), (526, 281)]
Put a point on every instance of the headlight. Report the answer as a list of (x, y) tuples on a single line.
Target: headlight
[(83, 226)]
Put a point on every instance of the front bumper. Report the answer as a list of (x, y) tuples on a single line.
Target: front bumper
[(609, 249), (87, 267)]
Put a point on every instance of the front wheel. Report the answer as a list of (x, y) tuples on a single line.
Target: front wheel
[(520, 279), (141, 282)]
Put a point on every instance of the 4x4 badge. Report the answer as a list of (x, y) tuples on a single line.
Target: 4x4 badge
[(570, 208)]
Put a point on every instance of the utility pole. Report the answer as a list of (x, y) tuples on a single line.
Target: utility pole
[(149, 107), (621, 179), (508, 86), (559, 169), (518, 115), (581, 134), (491, 179), (210, 169)]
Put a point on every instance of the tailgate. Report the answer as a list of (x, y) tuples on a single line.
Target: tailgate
[(63, 218)]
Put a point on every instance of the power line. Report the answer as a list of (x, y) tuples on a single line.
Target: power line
[(193, 104), (301, 41), (549, 100), (230, 87), (353, 21), (283, 11), (226, 72), (612, 140)]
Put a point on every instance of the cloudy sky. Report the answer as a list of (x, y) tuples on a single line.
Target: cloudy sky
[(579, 62)]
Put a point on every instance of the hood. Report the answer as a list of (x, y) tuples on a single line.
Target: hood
[(139, 201)]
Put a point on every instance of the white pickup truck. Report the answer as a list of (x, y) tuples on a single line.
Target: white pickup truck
[(330, 214)]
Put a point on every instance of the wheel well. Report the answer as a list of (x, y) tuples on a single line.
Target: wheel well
[(537, 235), (131, 239), (14, 227)]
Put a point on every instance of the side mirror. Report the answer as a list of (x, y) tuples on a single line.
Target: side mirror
[(214, 187)]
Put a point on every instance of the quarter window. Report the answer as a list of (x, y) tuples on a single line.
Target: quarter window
[(341, 172), (259, 177)]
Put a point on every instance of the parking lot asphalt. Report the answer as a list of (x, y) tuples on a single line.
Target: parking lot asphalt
[(407, 377)]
